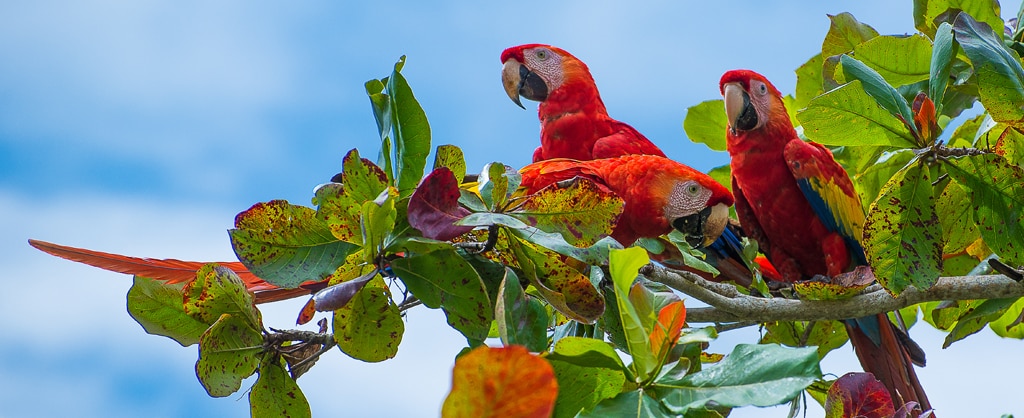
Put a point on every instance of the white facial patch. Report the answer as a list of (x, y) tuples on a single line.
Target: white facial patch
[(686, 198), (547, 64)]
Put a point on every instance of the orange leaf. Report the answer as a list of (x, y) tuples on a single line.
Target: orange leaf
[(501, 382), (666, 331)]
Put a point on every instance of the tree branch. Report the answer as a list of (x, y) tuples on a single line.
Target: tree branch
[(729, 305)]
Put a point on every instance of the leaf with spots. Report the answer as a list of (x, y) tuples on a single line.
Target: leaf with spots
[(588, 371), (369, 327), (276, 394), (825, 336), (443, 279), (928, 15), (521, 318), (228, 353), (858, 395), (706, 123), (434, 206), (902, 234), (996, 190), (287, 245), (998, 69), (842, 286), (216, 291), (568, 291), (501, 382), (581, 212), (157, 307), (976, 317), (1011, 146), (450, 156), (955, 215), (339, 203)]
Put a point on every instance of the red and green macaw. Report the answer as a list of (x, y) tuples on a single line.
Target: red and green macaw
[(573, 120), (659, 195), (801, 207)]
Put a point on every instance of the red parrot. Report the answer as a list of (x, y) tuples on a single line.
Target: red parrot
[(659, 195), (801, 207), (171, 271), (573, 120)]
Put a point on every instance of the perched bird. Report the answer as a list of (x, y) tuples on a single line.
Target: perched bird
[(573, 120), (659, 195), (801, 207)]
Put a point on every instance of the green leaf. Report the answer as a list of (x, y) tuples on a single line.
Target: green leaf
[(870, 179), (624, 266), (849, 116), (876, 87), (286, 244), (588, 371), (568, 291), (580, 212), (706, 123), (411, 133), (900, 60), (443, 279), (996, 189), (1009, 325), (825, 336), (758, 375), (276, 394), (648, 298), (216, 291), (596, 254), (844, 33), (377, 222), (451, 156), (928, 14), (497, 184), (1011, 146), (902, 235), (954, 210), (998, 69), (228, 353), (522, 319), (157, 306), (380, 102), (723, 175), (943, 50), (631, 404), (976, 319), (369, 327), (809, 82)]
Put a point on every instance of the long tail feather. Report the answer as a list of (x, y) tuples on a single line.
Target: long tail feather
[(890, 360), (167, 270)]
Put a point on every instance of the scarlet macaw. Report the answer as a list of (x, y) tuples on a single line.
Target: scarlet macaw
[(659, 195), (573, 120), (801, 207)]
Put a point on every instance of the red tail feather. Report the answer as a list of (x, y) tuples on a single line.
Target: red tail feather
[(167, 270), (890, 362)]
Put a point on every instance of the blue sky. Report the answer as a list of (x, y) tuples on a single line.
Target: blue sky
[(143, 127)]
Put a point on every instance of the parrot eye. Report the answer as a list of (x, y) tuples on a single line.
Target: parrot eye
[(763, 89), (693, 189), (541, 54)]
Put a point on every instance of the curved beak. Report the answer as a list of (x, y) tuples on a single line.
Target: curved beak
[(741, 113), (702, 228), (520, 81)]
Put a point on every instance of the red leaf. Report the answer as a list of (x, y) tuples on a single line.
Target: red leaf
[(860, 395), (666, 331), (501, 382), (434, 206)]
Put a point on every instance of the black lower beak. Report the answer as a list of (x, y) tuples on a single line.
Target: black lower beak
[(531, 86), (747, 119), (692, 227)]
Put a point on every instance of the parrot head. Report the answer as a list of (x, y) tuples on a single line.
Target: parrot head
[(751, 101), (697, 209), (534, 71)]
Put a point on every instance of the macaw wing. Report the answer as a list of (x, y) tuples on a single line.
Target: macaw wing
[(541, 174), (828, 189), (625, 140)]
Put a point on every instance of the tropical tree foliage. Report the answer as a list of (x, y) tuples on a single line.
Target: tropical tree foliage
[(537, 275)]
